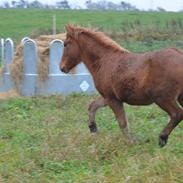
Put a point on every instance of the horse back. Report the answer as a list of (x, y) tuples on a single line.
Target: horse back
[(165, 77), (166, 63), (140, 77)]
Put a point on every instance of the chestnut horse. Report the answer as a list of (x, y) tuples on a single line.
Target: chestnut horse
[(124, 77)]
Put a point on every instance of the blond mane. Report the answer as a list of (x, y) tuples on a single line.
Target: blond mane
[(98, 36)]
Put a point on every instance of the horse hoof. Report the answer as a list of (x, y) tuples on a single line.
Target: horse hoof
[(162, 141), (132, 139), (93, 130), (147, 140), (93, 127)]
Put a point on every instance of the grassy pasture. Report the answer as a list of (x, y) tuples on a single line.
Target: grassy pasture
[(17, 23), (46, 139), (147, 30)]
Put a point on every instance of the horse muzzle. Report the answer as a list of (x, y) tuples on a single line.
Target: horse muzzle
[(63, 69)]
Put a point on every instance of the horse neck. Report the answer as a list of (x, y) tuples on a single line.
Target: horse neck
[(92, 54)]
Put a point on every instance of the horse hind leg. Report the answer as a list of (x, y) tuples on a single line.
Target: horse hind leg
[(176, 115), (93, 107)]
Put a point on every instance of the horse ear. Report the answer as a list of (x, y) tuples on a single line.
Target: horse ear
[(69, 28)]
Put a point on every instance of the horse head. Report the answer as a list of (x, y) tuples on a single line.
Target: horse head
[(71, 56)]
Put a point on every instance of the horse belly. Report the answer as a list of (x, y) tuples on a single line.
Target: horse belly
[(138, 100), (133, 96)]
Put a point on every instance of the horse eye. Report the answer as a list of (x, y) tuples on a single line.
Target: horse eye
[(65, 44)]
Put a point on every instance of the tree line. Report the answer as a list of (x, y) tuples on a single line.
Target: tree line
[(64, 4)]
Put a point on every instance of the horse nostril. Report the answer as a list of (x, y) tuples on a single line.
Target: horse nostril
[(62, 69)]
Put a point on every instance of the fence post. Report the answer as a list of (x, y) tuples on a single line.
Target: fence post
[(2, 50), (24, 39), (54, 28), (9, 52), (30, 59), (8, 58), (56, 52), (52, 86)]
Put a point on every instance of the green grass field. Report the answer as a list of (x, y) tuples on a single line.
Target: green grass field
[(46, 139), (18, 23)]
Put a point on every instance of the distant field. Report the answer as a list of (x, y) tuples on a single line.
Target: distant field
[(17, 23)]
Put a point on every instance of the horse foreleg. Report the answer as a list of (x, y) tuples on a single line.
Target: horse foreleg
[(119, 112), (176, 115), (93, 107)]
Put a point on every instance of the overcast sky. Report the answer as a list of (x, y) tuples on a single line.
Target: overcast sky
[(171, 5)]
